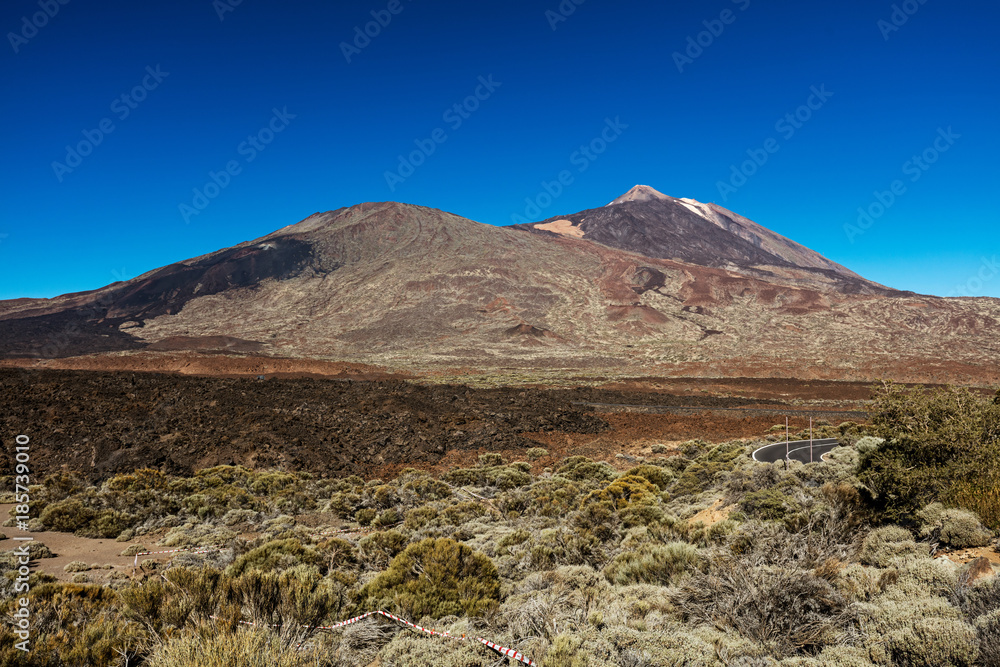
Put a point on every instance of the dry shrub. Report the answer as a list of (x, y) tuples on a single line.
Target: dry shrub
[(786, 610), (543, 603), (956, 528), (408, 649), (907, 629), (250, 647), (884, 545), (980, 604)]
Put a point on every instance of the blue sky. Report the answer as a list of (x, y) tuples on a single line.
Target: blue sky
[(268, 91)]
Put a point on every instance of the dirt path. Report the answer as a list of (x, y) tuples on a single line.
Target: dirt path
[(68, 548)]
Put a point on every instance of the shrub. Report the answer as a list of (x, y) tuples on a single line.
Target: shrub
[(624, 492), (553, 497), (364, 517), (426, 489), (926, 641), (379, 548), (249, 646), (868, 445), (76, 566), (276, 555), (387, 518), (436, 577), (503, 477), (536, 453), (660, 477), (419, 517), (884, 545), (959, 529), (786, 609), (408, 649), (702, 473), (582, 469), (653, 564), (490, 459), (939, 445), (67, 516), (768, 505)]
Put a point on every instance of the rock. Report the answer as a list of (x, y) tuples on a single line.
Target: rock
[(979, 570)]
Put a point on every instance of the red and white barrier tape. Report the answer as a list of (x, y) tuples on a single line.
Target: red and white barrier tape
[(507, 652), (352, 531), (193, 550)]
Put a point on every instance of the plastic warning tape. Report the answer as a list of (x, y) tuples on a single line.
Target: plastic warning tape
[(193, 550), (507, 652), (353, 531)]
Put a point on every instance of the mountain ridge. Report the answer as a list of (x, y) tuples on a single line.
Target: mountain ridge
[(415, 289)]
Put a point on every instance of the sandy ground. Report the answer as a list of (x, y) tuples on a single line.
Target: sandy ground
[(564, 227), (68, 548), (714, 514), (963, 556)]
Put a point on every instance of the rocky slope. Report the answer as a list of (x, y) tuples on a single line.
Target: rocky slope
[(417, 289), (651, 223)]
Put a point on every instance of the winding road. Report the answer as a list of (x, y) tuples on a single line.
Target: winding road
[(798, 450)]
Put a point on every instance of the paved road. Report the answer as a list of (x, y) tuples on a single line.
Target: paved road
[(682, 409), (798, 450)]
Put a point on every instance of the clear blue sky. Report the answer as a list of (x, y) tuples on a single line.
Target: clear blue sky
[(118, 212)]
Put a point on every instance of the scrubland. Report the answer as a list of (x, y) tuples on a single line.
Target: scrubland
[(577, 565)]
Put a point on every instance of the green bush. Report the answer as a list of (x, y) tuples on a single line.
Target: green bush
[(364, 517), (67, 516), (768, 505), (653, 564), (436, 578), (535, 453), (935, 442), (623, 492), (582, 469), (276, 555), (504, 477), (377, 549), (660, 477)]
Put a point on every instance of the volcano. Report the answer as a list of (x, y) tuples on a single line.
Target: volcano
[(648, 284)]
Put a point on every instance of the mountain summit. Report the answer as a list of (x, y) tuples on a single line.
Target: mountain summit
[(640, 193), (646, 221)]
